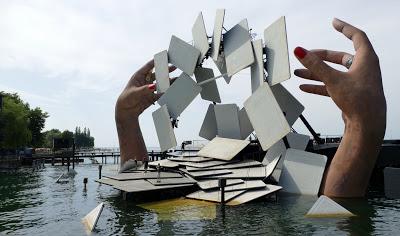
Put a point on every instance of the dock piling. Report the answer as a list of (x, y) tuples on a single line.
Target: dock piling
[(100, 167)]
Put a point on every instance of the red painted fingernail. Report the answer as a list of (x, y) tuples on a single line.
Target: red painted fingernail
[(300, 52), (152, 86)]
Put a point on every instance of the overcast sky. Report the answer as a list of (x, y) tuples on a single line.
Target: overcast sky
[(72, 58)]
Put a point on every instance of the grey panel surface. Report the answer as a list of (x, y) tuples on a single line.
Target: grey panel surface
[(141, 185), (200, 39), (257, 68), (266, 116), (221, 65), (238, 49), (261, 172), (223, 148), (209, 90), (165, 132), (392, 182), (172, 181), (208, 129), (204, 164), (242, 164), (161, 71), (183, 55), (278, 66), (210, 184), (214, 196), (275, 150), (245, 125), (298, 141), (164, 163), (246, 185), (302, 172), (253, 194), (184, 153), (198, 174), (217, 33), (227, 116), (190, 159), (143, 175), (181, 93), (288, 103)]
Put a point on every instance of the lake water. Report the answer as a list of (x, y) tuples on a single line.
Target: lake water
[(31, 203)]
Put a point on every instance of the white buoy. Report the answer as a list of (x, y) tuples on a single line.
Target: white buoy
[(90, 220), (326, 207)]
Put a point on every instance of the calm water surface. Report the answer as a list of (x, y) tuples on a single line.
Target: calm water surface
[(31, 203)]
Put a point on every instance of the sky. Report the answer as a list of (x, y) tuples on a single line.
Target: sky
[(73, 58)]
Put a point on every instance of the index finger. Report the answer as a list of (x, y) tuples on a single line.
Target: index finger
[(146, 68), (356, 35)]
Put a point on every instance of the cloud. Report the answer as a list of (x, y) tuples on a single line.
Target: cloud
[(80, 54)]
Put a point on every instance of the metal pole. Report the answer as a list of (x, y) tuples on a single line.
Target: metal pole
[(222, 185), (313, 133)]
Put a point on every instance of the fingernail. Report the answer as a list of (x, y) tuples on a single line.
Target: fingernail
[(296, 72), (300, 52), (152, 87)]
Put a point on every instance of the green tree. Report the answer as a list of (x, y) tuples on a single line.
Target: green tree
[(49, 135), (14, 122), (67, 134), (37, 119)]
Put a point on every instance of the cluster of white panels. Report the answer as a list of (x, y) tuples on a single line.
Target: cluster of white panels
[(269, 111)]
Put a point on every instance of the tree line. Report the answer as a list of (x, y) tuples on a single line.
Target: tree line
[(22, 126)]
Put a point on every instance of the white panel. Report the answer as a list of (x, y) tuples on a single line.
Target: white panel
[(302, 172), (278, 67), (183, 55), (223, 148), (200, 39), (253, 194), (298, 141), (248, 184), (190, 159), (257, 68), (275, 150), (172, 181), (181, 93), (288, 103), (203, 164), (227, 116), (208, 173), (165, 132), (242, 164), (245, 125), (266, 116), (209, 90), (143, 175), (209, 127), (161, 71), (210, 184), (254, 172), (217, 33), (221, 65), (326, 207), (238, 49), (139, 185), (164, 163), (90, 220), (392, 182), (214, 196)]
